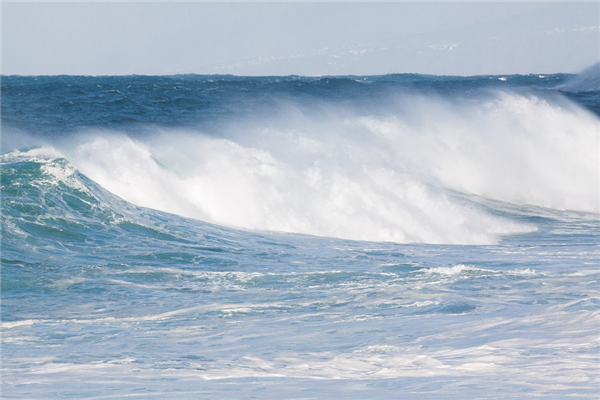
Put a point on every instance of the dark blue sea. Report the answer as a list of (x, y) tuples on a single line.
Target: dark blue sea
[(361, 237)]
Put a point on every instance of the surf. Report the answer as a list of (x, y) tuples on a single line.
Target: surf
[(362, 158), (383, 177)]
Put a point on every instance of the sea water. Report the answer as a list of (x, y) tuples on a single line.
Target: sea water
[(368, 237)]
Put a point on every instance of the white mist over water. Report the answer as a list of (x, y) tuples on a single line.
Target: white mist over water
[(375, 177)]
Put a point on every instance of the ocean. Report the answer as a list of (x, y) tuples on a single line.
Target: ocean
[(358, 237)]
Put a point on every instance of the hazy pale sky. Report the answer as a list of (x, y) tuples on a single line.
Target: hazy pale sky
[(309, 38)]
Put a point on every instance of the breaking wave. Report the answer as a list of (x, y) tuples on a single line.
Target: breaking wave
[(388, 177)]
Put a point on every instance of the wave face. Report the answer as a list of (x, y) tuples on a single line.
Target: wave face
[(154, 237)]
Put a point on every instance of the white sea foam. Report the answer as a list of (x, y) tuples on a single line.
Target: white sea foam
[(522, 272), (37, 154), (53, 165), (461, 269), (15, 324), (455, 270), (379, 178)]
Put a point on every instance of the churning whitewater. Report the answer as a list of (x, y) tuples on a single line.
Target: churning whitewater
[(292, 237)]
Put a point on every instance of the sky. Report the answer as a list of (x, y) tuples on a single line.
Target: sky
[(298, 38)]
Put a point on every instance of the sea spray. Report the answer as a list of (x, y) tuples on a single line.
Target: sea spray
[(370, 177)]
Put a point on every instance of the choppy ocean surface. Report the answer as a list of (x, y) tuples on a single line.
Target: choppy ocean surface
[(222, 237)]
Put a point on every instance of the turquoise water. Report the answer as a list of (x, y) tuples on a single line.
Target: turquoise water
[(286, 237)]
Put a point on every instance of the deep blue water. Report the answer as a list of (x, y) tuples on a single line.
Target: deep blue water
[(223, 237)]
